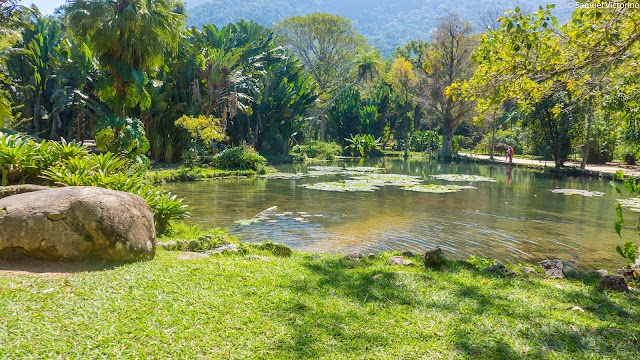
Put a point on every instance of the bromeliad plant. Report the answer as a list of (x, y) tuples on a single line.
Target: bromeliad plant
[(17, 153)]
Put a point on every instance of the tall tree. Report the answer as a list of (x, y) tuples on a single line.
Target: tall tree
[(129, 38), (326, 44), (448, 61)]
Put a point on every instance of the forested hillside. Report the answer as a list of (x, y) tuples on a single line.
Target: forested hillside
[(386, 23)]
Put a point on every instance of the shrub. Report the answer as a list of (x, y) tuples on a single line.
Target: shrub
[(242, 157), (319, 150), (428, 140)]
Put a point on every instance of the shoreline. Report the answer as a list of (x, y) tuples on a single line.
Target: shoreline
[(603, 171)]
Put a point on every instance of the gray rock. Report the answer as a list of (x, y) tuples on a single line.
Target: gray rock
[(224, 249), (6, 191), (77, 223), (371, 256), (193, 245), (353, 256), (613, 282), (276, 248), (434, 258), (552, 268), (400, 261), (408, 254)]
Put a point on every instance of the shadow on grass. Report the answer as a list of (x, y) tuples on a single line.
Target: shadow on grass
[(479, 320), (53, 268)]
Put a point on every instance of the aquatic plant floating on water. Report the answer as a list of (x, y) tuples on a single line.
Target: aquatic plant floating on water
[(436, 189), (343, 186), (577, 192), (463, 178), (388, 179)]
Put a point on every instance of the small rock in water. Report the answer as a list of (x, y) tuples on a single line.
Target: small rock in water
[(318, 215), (400, 261), (434, 258), (613, 282), (299, 219), (552, 268), (306, 215)]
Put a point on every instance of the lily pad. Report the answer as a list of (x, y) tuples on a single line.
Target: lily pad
[(326, 168), (462, 178), (436, 189), (631, 204), (245, 222), (342, 186), (577, 192), (283, 176), (388, 179), (365, 169)]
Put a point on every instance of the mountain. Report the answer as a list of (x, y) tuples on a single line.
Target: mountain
[(386, 23)]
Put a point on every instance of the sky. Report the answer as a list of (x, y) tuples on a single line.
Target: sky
[(46, 7)]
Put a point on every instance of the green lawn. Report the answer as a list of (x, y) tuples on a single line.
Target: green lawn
[(309, 306)]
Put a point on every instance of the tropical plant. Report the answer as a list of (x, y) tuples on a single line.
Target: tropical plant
[(363, 145), (314, 149), (16, 153), (242, 157), (428, 140), (129, 38)]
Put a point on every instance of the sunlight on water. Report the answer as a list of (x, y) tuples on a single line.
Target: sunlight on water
[(515, 219)]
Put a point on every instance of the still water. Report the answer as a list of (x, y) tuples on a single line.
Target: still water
[(515, 219)]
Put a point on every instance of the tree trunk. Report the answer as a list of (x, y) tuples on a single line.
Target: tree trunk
[(493, 142), (323, 127), (585, 150)]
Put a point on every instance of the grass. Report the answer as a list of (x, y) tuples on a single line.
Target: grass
[(309, 306)]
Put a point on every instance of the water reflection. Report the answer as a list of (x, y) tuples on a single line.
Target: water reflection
[(514, 219)]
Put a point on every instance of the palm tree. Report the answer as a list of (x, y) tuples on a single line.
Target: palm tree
[(367, 64), (129, 38)]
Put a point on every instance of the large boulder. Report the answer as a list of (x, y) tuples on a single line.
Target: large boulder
[(76, 223)]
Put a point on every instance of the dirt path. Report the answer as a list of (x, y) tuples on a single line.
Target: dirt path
[(608, 168)]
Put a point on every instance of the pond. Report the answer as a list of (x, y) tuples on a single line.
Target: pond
[(514, 218)]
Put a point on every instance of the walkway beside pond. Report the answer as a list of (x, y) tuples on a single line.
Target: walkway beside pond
[(593, 169)]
